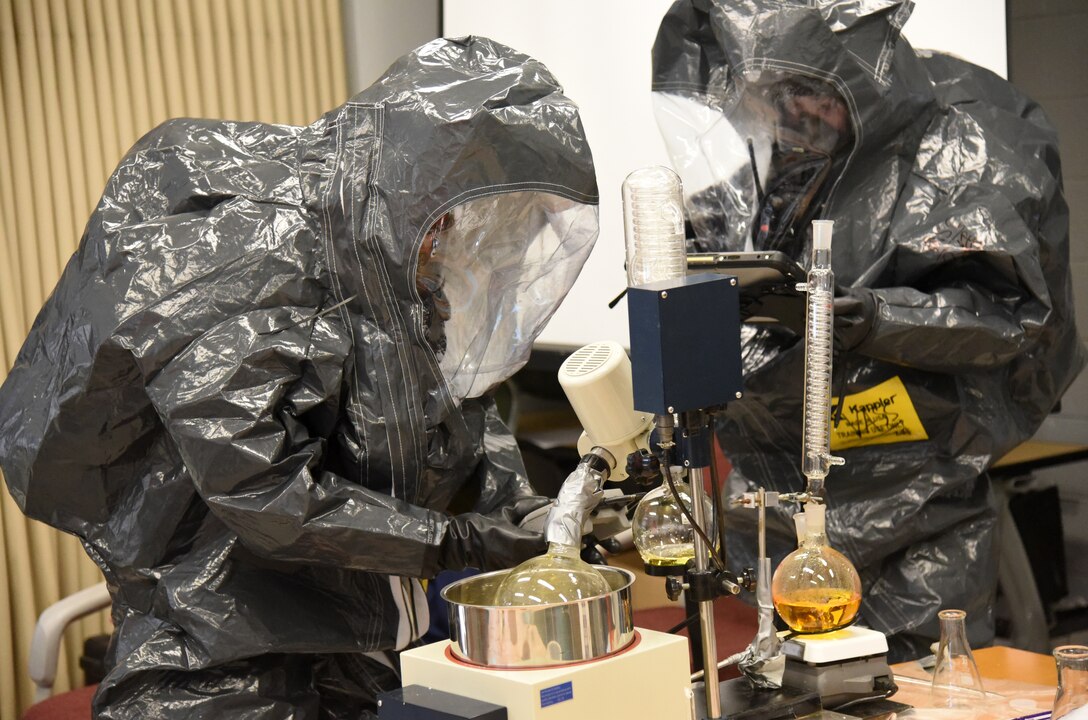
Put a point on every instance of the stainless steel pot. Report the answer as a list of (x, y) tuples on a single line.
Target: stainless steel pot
[(541, 635)]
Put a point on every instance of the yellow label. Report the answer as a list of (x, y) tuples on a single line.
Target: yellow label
[(877, 416)]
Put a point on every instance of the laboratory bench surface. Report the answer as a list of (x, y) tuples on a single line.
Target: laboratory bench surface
[(1018, 684)]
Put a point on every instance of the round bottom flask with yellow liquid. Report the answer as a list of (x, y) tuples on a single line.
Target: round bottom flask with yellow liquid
[(816, 588), (558, 576), (662, 533)]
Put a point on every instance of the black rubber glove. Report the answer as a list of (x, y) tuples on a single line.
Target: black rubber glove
[(855, 311), (473, 540)]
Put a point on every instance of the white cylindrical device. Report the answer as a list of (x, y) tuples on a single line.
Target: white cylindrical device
[(597, 382), (653, 225)]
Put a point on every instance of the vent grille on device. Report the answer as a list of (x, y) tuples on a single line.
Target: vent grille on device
[(587, 359)]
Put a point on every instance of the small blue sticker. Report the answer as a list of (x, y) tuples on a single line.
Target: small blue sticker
[(556, 694)]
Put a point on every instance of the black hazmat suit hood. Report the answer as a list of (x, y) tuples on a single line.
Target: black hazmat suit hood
[(944, 184), (258, 392)]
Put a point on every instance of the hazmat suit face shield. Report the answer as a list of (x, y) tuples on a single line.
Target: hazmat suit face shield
[(758, 163), (490, 274)]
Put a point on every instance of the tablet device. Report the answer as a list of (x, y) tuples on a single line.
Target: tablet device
[(752, 269), (768, 280)]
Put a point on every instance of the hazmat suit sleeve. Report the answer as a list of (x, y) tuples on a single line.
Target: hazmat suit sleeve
[(967, 288), (504, 486), (248, 405)]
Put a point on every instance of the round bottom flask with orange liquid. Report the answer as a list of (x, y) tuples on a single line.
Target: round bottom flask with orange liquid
[(815, 589)]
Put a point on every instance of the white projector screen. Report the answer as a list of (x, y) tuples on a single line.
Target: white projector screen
[(600, 51)]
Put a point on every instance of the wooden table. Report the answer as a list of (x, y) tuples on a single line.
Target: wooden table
[(1003, 663), (1018, 684), (1036, 454)]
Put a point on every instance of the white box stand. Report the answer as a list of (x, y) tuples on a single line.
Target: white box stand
[(649, 680)]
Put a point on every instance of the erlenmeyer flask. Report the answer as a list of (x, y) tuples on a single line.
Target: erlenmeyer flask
[(956, 680), (815, 588), (556, 577), (1072, 698)]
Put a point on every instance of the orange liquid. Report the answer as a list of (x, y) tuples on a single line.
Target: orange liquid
[(817, 609)]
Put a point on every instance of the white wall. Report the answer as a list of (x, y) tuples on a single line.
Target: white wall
[(600, 52), (973, 29), (377, 32)]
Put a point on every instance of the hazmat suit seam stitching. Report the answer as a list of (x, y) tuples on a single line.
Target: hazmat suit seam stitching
[(338, 289), (350, 177), (883, 60), (865, 64), (354, 178), (353, 175), (386, 288), (386, 295)]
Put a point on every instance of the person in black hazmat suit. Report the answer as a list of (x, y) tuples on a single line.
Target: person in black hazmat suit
[(954, 326), (259, 392)]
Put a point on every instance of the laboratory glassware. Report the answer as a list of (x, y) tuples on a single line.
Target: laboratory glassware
[(653, 223), (662, 532), (558, 576), (956, 679), (815, 588), (816, 457), (1071, 700)]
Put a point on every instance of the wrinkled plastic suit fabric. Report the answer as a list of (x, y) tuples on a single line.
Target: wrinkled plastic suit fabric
[(944, 184), (257, 393)]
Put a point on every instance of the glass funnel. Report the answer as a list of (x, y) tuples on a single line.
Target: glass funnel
[(662, 533), (558, 576), (815, 588), (1071, 700), (956, 679)]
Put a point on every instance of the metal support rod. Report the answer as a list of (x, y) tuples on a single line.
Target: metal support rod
[(706, 608), (695, 638), (762, 524)]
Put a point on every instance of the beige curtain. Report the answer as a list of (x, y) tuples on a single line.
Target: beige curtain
[(81, 81)]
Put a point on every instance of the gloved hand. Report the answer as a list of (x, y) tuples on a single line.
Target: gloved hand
[(855, 311), (487, 543)]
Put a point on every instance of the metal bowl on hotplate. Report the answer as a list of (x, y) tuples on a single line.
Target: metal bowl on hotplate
[(540, 635)]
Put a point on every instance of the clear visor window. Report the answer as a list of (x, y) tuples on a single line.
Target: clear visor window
[(490, 274), (757, 169)]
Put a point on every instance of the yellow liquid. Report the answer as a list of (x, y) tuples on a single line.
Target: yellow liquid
[(669, 555), (811, 610), (549, 579)]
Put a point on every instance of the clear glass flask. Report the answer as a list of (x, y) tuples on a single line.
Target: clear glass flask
[(662, 533), (1071, 700), (558, 576), (956, 680), (815, 588)]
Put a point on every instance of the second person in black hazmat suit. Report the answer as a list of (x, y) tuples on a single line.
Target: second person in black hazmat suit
[(951, 245), (259, 392)]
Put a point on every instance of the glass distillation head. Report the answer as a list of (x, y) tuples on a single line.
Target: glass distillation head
[(816, 588), (558, 576)]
